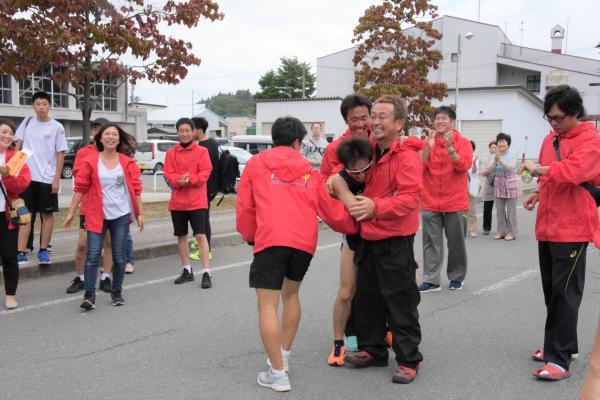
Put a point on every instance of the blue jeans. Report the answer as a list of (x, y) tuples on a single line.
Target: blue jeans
[(119, 228), (129, 257)]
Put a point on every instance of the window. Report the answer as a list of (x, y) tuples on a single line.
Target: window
[(104, 94), (5, 89), (43, 82), (165, 146), (453, 57), (533, 83), (144, 147)]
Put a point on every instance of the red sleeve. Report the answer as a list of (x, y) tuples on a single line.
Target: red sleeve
[(334, 214), (83, 179), (465, 156), (330, 164), (409, 185), (16, 185), (134, 176), (246, 207), (170, 170), (203, 170), (580, 166)]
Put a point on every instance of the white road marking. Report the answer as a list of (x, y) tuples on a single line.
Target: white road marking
[(513, 280)]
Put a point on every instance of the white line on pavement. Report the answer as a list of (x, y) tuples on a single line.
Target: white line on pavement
[(513, 280)]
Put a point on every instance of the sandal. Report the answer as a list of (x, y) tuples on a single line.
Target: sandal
[(550, 373), (496, 237), (538, 355), (508, 238)]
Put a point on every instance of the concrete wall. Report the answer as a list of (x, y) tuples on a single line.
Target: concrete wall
[(335, 74)]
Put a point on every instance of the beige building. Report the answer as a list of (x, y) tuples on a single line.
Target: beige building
[(241, 125)]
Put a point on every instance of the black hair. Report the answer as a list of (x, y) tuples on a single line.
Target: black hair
[(286, 130), (566, 98), (352, 149), (316, 123), (41, 95), (397, 102), (200, 123), (127, 143), (352, 101), (503, 136), (9, 123), (473, 144), (493, 142), (445, 110), (185, 121)]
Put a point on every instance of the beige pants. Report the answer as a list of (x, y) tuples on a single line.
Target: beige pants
[(472, 215)]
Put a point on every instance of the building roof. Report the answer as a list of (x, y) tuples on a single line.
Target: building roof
[(173, 113), (521, 89), (298, 99)]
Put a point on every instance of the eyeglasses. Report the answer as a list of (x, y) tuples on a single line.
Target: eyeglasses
[(360, 171), (556, 118)]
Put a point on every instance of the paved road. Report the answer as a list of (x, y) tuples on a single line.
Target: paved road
[(182, 342)]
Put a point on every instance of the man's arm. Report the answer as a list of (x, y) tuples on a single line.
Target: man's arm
[(60, 161)]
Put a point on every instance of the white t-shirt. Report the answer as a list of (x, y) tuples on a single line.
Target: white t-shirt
[(45, 139), (115, 196), (314, 149), (2, 199)]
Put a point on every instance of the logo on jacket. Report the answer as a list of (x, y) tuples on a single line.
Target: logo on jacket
[(301, 182), (573, 254)]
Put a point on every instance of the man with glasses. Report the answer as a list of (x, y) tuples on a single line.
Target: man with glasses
[(566, 221), (447, 158)]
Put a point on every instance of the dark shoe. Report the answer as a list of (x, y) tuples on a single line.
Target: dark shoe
[(105, 285), (117, 298), (486, 232), (362, 359), (455, 285), (425, 287), (76, 286), (89, 301), (404, 374), (206, 281), (185, 277)]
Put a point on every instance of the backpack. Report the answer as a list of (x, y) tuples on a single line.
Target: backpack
[(229, 172)]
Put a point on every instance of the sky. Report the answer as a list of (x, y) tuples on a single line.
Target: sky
[(254, 35)]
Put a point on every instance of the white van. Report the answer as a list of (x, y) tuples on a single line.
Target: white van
[(150, 154), (253, 144)]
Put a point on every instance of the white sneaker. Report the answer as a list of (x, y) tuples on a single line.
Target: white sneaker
[(279, 383), (286, 362)]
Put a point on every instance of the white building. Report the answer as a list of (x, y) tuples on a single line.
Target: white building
[(109, 101), (501, 85), (164, 119)]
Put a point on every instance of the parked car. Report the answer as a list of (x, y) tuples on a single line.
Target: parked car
[(253, 143), (74, 144), (150, 154), (242, 155)]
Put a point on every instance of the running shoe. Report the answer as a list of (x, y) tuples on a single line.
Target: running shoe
[(405, 374), (197, 255), (77, 285), (336, 358), (362, 359), (279, 383), (186, 276), (44, 257), (22, 258), (206, 281), (117, 298), (89, 301), (425, 287), (129, 268), (286, 362), (49, 249), (455, 285), (105, 285), (351, 343)]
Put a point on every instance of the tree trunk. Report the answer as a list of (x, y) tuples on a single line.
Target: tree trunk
[(86, 112)]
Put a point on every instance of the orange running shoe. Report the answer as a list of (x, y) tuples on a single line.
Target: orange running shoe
[(337, 360), (388, 339)]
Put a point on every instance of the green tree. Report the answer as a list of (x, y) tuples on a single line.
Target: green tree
[(390, 61), (84, 40), (227, 104), (292, 80)]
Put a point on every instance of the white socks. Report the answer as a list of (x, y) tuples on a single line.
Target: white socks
[(104, 276), (205, 270), (188, 267)]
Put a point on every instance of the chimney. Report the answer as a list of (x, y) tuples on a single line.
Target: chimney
[(557, 34)]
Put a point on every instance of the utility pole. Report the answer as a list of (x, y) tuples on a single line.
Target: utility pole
[(303, 80)]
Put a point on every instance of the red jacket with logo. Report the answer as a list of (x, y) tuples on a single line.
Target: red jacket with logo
[(14, 186), (566, 211), (195, 161), (395, 184), (87, 182), (330, 164), (81, 154), (446, 183), (278, 201)]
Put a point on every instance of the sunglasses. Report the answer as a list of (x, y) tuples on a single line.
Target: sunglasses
[(556, 118), (360, 171)]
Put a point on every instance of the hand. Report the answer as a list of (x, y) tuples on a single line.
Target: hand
[(430, 141), (363, 209), (68, 221), (329, 186), (449, 139), (528, 165), (55, 185), (3, 170), (185, 179), (531, 201), (498, 156), (140, 221)]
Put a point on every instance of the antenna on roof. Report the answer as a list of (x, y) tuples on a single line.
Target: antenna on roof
[(567, 34), (522, 30)]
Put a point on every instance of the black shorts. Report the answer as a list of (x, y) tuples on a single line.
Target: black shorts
[(38, 197), (351, 241), (196, 218), (82, 222), (273, 264)]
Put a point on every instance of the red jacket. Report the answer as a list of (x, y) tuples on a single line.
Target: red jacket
[(446, 183), (566, 211), (81, 154), (195, 161), (87, 182), (14, 186), (330, 164), (395, 184), (277, 201)]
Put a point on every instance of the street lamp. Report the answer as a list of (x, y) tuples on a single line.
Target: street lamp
[(468, 36)]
